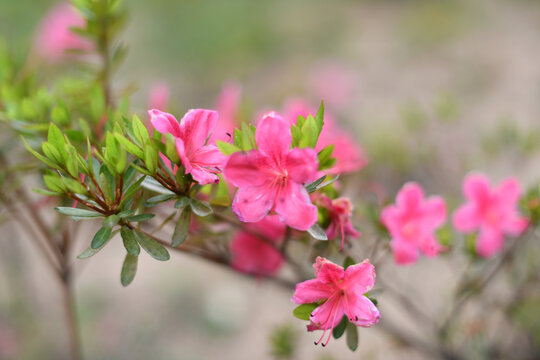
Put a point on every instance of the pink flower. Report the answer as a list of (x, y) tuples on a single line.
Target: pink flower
[(411, 223), (272, 177), (340, 212), (159, 96), (349, 156), (251, 254), (54, 36), (202, 161), (227, 107), (343, 294), (492, 211)]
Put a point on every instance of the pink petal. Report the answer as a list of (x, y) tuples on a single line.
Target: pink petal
[(273, 136), (301, 165), (434, 212), (196, 126), (515, 225), (181, 149), (254, 256), (360, 278), (405, 253), (251, 204), (329, 314), (209, 155), (311, 291), (328, 272), (203, 176), (466, 218), (490, 241), (509, 191), (476, 188), (160, 94), (251, 169), (429, 246), (391, 218), (410, 196), (361, 311), (164, 122), (294, 207)]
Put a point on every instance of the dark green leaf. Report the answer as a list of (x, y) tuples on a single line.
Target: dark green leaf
[(101, 237), (348, 262), (317, 233), (152, 247), (303, 311), (200, 208), (181, 203), (340, 328), (324, 184), (129, 269), (313, 186), (139, 217), (110, 221), (70, 211), (352, 336), (158, 199), (130, 242), (181, 230)]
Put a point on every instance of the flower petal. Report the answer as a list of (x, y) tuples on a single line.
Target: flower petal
[(251, 204), (429, 246), (328, 272), (273, 136), (196, 126), (515, 225), (302, 164), (410, 196), (434, 214), (329, 314), (490, 241), (248, 169), (252, 255), (181, 149), (164, 122), (294, 207), (203, 176), (404, 252), (466, 218), (311, 291), (360, 278), (209, 155), (361, 311), (476, 187), (509, 191)]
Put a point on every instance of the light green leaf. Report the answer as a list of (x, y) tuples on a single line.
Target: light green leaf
[(317, 233), (303, 311), (129, 269), (70, 211), (227, 148)]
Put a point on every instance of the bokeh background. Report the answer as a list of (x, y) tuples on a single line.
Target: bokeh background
[(430, 88)]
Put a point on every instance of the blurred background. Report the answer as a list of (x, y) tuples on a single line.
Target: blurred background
[(430, 88)]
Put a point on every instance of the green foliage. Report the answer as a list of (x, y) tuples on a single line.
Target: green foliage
[(307, 130), (317, 233), (339, 330), (129, 268), (151, 246), (352, 336), (303, 311), (181, 229), (283, 342)]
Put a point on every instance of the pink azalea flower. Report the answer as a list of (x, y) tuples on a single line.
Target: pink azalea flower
[(272, 177), (159, 96), (492, 211), (412, 222), (227, 107), (202, 161), (340, 212), (343, 294), (349, 156), (251, 254), (54, 36)]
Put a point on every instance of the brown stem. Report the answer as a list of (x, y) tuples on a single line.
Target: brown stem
[(71, 317)]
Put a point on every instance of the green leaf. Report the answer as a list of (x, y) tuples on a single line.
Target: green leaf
[(101, 237), (319, 117), (200, 208), (325, 158), (40, 157), (139, 217), (221, 197), (248, 138), (227, 148), (74, 186), (130, 242), (153, 185), (152, 247), (89, 252), (324, 184), (352, 336), (139, 131), (182, 202), (132, 190), (110, 221), (52, 153), (339, 330), (125, 213), (54, 182), (313, 186), (158, 199), (181, 230), (46, 192), (170, 149), (129, 269), (129, 146), (310, 133), (56, 139), (303, 311), (317, 233), (70, 211), (349, 261)]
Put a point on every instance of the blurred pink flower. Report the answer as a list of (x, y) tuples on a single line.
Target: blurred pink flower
[(412, 222), (253, 255), (334, 83), (54, 36), (340, 212), (492, 211), (227, 107), (272, 177), (350, 157), (343, 292), (159, 96), (202, 161)]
